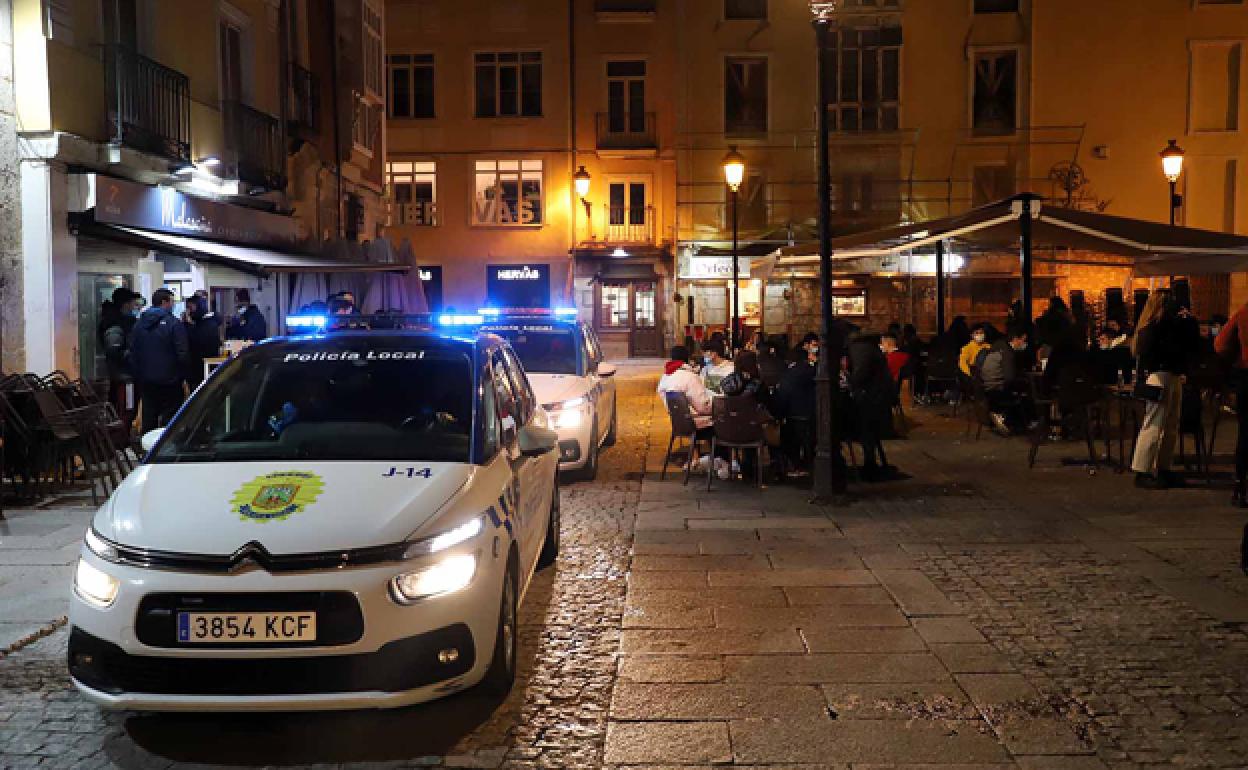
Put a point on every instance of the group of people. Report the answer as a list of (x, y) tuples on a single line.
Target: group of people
[(765, 375), (156, 357)]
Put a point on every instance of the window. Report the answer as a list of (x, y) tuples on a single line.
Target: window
[(509, 84), (865, 74), (745, 9), (366, 126), (996, 6), (745, 96), (413, 192), (995, 100), (233, 58), (626, 96), (627, 204), (507, 192), (370, 13), (1214, 86), (411, 85), (613, 308)]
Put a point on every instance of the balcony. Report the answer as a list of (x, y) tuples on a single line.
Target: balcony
[(305, 102), (627, 134), (625, 10), (630, 225), (149, 104), (256, 139)]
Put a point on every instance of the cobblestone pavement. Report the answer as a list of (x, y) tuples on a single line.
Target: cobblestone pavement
[(554, 718), (978, 615)]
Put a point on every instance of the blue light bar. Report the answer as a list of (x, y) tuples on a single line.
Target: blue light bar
[(449, 319), (490, 311), (565, 312), (306, 321)]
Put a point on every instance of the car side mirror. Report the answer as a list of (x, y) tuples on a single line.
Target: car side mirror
[(150, 438), (536, 441), (605, 369)]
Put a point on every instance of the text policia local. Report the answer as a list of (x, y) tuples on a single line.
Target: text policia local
[(353, 355)]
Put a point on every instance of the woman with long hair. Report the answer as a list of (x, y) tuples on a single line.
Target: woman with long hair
[(1161, 353)]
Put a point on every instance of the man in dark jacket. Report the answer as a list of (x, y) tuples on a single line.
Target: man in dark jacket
[(873, 393), (117, 318), (203, 332), (249, 324), (1004, 382), (159, 357)]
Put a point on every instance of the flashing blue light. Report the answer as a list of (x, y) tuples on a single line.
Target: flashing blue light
[(449, 319), (565, 312), (490, 311), (306, 321)]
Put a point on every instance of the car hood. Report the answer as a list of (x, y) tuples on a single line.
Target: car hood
[(553, 388), (301, 507)]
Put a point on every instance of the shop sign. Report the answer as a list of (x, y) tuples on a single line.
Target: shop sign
[(518, 285), (166, 210), (694, 268), (431, 282)]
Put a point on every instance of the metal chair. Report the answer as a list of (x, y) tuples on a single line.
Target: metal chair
[(683, 427), (739, 422)]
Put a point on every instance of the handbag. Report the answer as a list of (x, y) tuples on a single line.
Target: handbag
[(1144, 391)]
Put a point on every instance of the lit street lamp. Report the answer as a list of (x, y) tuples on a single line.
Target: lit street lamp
[(1172, 167), (829, 470), (581, 181), (734, 172)]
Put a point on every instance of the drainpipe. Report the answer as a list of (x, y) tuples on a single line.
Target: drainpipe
[(333, 85)]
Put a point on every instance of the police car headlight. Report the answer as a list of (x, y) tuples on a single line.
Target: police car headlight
[(452, 537), (447, 576), (94, 585)]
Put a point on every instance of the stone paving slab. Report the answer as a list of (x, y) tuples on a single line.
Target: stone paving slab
[(900, 700), (716, 701), (836, 616), (670, 668), (792, 577), (844, 667), (683, 742), (863, 740), (721, 642)]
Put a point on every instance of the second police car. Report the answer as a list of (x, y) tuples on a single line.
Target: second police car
[(565, 364), (343, 520)]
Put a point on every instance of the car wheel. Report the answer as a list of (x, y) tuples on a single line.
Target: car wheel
[(615, 413), (550, 548), (502, 672), (589, 471)]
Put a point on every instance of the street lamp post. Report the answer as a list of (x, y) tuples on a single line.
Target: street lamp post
[(1172, 167), (829, 471), (734, 172)]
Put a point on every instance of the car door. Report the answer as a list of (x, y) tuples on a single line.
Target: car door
[(604, 386), (531, 488)]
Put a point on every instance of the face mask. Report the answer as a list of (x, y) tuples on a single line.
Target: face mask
[(978, 337), (242, 309), (814, 350), (1021, 347)]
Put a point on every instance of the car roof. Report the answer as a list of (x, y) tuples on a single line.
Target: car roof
[(454, 337), (530, 320)]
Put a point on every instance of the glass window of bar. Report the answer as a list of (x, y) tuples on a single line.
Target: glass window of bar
[(507, 193), (413, 189), (411, 85), (508, 84)]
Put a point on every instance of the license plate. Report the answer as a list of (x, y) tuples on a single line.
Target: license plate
[(246, 627)]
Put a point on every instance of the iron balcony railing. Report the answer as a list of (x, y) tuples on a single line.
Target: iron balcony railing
[(256, 139), (304, 100), (149, 105), (627, 131), (630, 224)]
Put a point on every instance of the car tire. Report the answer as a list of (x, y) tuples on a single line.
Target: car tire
[(550, 547), (615, 413), (589, 471), (502, 672)]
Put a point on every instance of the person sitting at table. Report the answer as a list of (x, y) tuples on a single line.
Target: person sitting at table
[(747, 380), (715, 366), (795, 403), (679, 377), (1005, 385), (1111, 361), (971, 350)]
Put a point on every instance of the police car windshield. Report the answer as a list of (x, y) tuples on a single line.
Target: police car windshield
[(542, 349), (349, 398)]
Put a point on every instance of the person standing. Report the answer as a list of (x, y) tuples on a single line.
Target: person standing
[(203, 331), (1230, 344), (117, 318), (873, 393), (1161, 347), (249, 323), (159, 356)]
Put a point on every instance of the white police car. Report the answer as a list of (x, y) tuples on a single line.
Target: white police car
[(332, 521), (565, 364)]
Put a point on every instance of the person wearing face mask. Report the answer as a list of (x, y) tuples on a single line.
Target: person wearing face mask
[(117, 318), (971, 350), (714, 366), (249, 323), (203, 331), (1004, 383)]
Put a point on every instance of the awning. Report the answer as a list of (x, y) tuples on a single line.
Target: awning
[(244, 258), (1153, 248)]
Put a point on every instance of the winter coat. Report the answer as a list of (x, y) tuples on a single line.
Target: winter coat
[(999, 369), (205, 337), (684, 380), (870, 384), (159, 350), (249, 326), (795, 396)]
